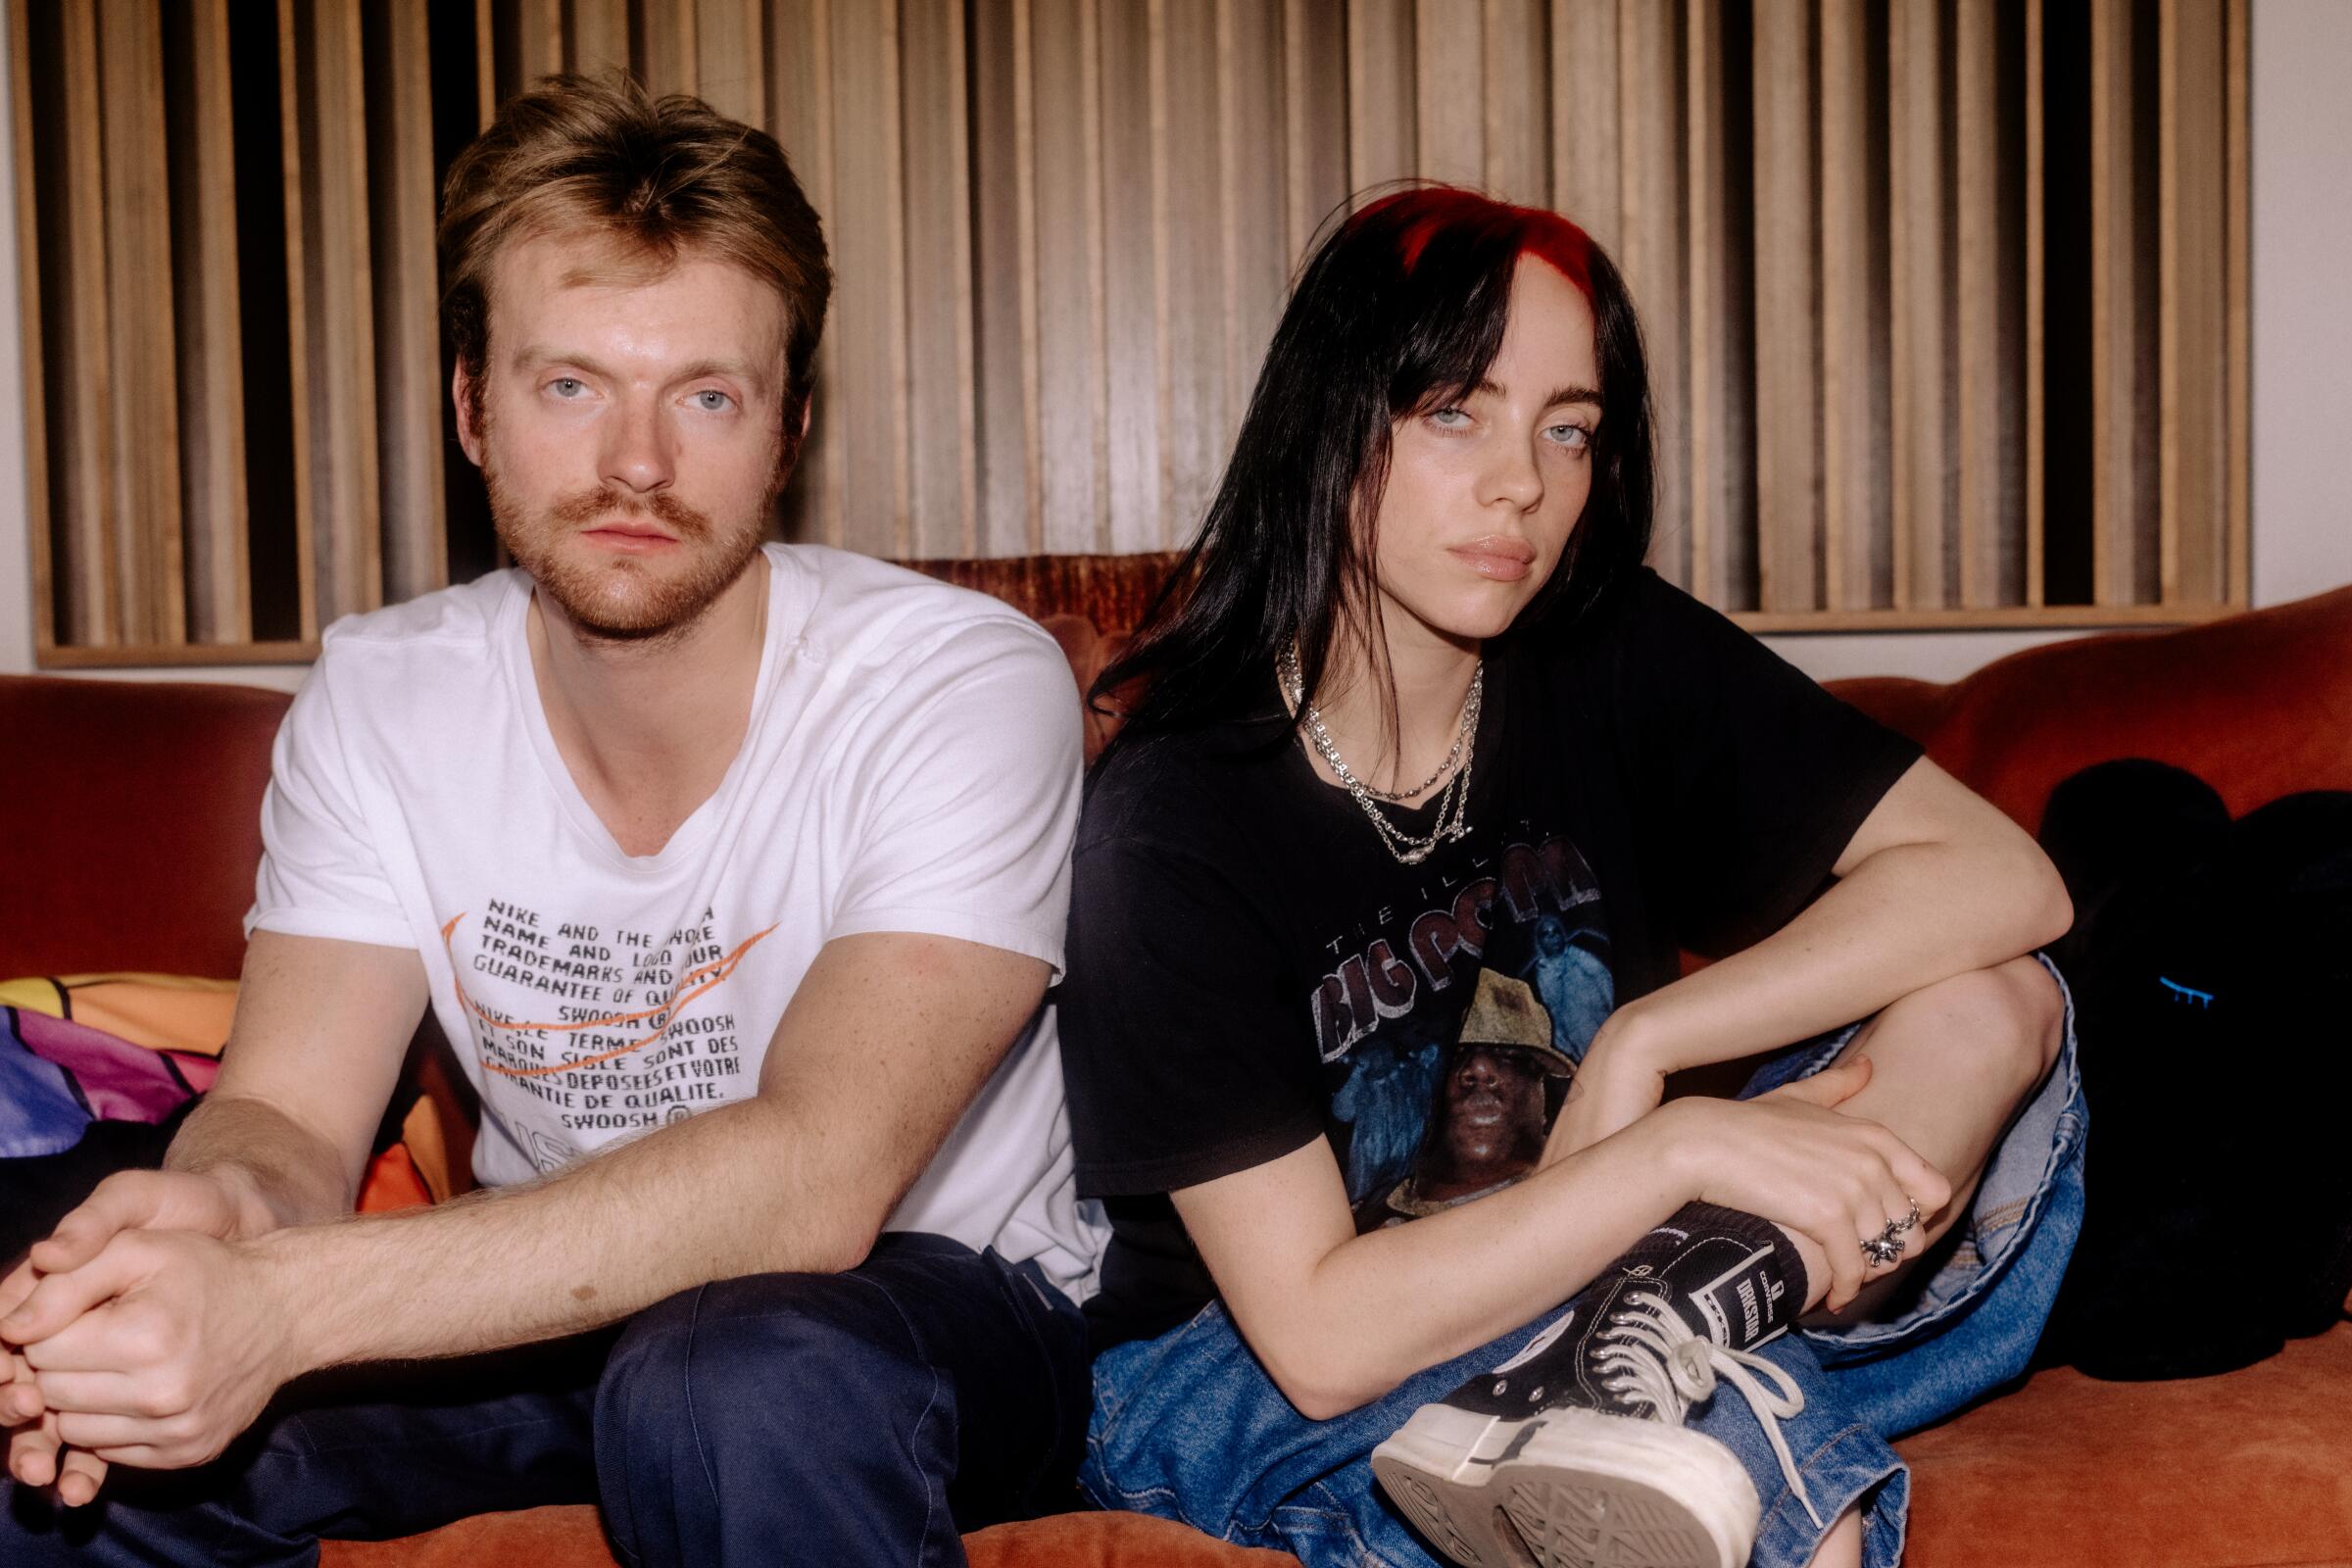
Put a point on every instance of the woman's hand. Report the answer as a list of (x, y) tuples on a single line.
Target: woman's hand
[(1792, 1157)]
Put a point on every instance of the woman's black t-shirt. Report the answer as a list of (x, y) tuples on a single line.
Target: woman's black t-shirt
[(1248, 968)]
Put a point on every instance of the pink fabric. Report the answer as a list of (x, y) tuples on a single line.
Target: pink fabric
[(120, 1081)]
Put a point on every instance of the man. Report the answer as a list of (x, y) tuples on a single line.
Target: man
[(1494, 1106), (736, 875)]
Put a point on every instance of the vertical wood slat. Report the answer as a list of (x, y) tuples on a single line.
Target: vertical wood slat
[(143, 390), (2193, 420), (1132, 250), (1651, 252), (1583, 114), (1975, 285), (1068, 483), (1847, 500), (2238, 581), (212, 371), (1518, 100), (485, 59), (34, 344), (1314, 145), (728, 49), (666, 51), (1787, 473), (2037, 481), (869, 300), (1024, 183), (327, 151), (1003, 308), (1705, 234), (300, 329), (1915, 185), (409, 390), (2113, 361), (1253, 211), (942, 454), (1448, 63), (598, 38), (1383, 142), (1187, 153), (801, 76)]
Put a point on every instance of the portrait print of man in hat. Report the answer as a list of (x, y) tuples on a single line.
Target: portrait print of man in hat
[(1495, 1097)]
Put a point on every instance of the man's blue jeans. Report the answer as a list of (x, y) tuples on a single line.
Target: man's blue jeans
[(843, 1419), (1190, 1426)]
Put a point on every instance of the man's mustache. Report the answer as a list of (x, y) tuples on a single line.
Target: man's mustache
[(594, 506)]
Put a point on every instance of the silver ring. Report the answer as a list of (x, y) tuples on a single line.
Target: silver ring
[(1904, 1226), (1881, 1250)]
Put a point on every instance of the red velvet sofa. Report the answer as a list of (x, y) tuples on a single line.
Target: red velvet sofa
[(130, 833)]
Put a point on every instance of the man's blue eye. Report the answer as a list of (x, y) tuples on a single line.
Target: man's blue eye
[(564, 386), (713, 402)]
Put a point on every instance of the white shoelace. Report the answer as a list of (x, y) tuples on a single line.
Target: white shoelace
[(1652, 1355)]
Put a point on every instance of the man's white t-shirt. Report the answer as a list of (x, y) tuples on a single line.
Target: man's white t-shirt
[(913, 764)]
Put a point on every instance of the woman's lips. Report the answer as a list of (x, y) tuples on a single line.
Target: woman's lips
[(1503, 560)]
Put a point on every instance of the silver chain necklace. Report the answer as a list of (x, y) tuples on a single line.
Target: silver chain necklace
[(1452, 805)]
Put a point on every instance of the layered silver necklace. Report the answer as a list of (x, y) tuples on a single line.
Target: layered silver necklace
[(1452, 803)]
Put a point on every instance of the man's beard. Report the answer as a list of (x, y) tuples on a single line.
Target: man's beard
[(619, 599)]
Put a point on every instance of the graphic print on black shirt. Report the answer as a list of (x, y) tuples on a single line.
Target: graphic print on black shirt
[(1449, 1032)]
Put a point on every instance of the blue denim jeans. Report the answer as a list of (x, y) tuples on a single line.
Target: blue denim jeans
[(863, 1417), (1189, 1425)]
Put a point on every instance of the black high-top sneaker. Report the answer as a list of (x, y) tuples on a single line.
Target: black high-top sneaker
[(1573, 1453)]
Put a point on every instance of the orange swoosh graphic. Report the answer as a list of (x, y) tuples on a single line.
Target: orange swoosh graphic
[(708, 977)]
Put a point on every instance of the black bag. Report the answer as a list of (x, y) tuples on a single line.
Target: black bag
[(2211, 964)]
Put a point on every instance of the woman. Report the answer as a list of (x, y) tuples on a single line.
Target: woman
[(1427, 782)]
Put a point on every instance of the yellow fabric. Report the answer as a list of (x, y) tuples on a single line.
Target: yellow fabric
[(159, 1012)]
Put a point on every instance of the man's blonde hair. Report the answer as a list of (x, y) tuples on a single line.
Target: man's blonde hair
[(602, 159)]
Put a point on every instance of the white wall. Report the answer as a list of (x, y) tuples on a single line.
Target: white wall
[(2302, 308)]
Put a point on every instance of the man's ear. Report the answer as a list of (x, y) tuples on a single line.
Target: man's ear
[(461, 394)]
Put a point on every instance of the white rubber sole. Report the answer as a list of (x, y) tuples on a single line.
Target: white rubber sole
[(1569, 1488)]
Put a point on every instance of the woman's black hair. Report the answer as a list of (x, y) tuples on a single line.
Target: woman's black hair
[(1400, 311)]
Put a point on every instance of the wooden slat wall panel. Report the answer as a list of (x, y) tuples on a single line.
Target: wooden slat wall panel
[(2238, 290), (1381, 96), (1649, 251), (2114, 301), (37, 340), (212, 373), (1924, 482), (1188, 217), (944, 456), (1852, 499), (1005, 332), (143, 392), (2194, 357), (329, 122), (408, 360), (870, 302), (1131, 283), (1787, 424), (1449, 62), (801, 87), (1583, 115), (1975, 285), (1314, 64), (1715, 380), (1249, 143), (727, 42), (1517, 98), (598, 37), (1063, 231)]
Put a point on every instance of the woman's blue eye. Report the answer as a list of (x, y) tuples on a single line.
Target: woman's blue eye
[(1446, 418), (1575, 437)]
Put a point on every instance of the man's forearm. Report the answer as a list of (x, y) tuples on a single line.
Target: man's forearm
[(277, 1172), (605, 1238)]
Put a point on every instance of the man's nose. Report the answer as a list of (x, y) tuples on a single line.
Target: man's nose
[(1478, 1070), (637, 453)]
